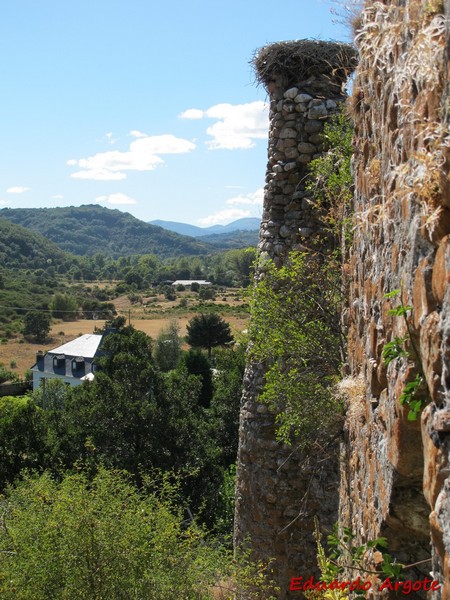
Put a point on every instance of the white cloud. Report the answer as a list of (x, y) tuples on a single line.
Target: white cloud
[(224, 216), (143, 155), (3, 203), (57, 197), (237, 125), (116, 199), (252, 199), (18, 189), (137, 134), (192, 113), (99, 175)]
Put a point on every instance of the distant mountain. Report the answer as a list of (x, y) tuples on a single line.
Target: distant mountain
[(85, 230), (246, 224), (234, 239)]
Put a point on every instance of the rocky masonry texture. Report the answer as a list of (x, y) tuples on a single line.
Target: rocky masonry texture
[(279, 490), (395, 473), (393, 484)]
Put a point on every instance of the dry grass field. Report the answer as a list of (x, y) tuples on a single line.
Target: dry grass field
[(23, 354)]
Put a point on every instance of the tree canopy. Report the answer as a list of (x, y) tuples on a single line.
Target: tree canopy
[(37, 325), (208, 330), (102, 539)]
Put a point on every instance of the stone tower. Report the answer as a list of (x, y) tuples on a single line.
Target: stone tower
[(279, 490)]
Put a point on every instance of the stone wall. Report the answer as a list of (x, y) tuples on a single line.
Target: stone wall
[(279, 490), (395, 472)]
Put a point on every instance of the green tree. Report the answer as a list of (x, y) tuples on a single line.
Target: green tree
[(206, 293), (52, 397), (103, 539), (331, 181), (22, 434), (185, 442), (168, 347), (169, 293), (64, 307), (134, 277), (6, 374), (225, 403), (208, 330), (197, 364), (295, 329), (240, 262), (113, 419), (37, 325), (119, 323)]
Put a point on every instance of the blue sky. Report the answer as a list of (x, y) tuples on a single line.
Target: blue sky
[(148, 107)]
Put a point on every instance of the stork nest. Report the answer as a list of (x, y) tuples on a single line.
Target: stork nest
[(298, 60)]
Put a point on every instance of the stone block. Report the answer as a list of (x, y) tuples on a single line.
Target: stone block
[(294, 178), (440, 278), (315, 139), (303, 98), (436, 466), (291, 152), (318, 112), (290, 143), (422, 301), (291, 93), (315, 102), (441, 421), (404, 447), (287, 133), (288, 108), (306, 148), (313, 126), (430, 351)]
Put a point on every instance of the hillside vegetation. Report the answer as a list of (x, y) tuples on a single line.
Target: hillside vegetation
[(20, 248), (85, 230)]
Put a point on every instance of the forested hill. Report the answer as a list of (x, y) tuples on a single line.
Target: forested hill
[(85, 230), (21, 248)]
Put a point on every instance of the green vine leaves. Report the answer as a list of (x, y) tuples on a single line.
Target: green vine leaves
[(397, 348)]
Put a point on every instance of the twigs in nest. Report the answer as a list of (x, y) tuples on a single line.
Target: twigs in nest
[(298, 60)]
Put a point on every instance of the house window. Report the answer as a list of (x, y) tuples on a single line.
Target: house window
[(58, 361), (78, 363)]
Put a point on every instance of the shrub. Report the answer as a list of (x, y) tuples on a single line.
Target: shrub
[(107, 539), (296, 334)]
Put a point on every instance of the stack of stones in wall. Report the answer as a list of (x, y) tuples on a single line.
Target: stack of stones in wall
[(296, 124), (392, 485)]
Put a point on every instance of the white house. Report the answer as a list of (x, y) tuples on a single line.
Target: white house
[(188, 282), (72, 362)]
